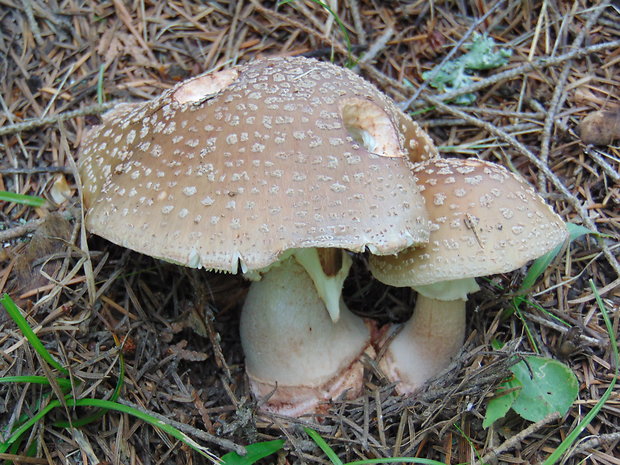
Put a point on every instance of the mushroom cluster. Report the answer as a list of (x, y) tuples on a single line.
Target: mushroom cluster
[(273, 169), (279, 169)]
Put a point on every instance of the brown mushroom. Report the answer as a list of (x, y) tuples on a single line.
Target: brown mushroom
[(486, 221), (241, 169)]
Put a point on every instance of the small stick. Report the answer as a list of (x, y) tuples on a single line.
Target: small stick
[(541, 63), (198, 433), (38, 122), (36, 32), (36, 170), (449, 56), (559, 95), (376, 48), (357, 22), (609, 170), (596, 441), (21, 230), (517, 438)]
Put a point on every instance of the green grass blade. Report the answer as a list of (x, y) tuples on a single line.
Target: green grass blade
[(64, 383), (109, 405), (22, 199), (78, 423), (396, 460), (341, 25), (24, 327), (28, 424), (316, 437), (574, 435), (255, 452), (575, 231), (171, 430)]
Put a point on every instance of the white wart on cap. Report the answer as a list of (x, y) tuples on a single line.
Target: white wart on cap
[(236, 168)]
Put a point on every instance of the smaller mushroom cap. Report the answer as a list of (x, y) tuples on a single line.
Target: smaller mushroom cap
[(485, 221)]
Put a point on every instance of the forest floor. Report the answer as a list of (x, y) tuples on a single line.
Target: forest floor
[(64, 62)]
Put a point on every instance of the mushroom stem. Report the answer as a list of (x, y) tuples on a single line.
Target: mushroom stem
[(294, 352), (426, 343)]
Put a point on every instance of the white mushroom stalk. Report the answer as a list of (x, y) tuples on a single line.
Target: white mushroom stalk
[(327, 267), (426, 343), (296, 356), (486, 221)]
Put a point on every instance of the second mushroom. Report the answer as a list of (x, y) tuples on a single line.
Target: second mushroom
[(485, 221)]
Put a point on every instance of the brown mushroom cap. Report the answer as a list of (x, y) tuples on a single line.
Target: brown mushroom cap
[(239, 166), (486, 221)]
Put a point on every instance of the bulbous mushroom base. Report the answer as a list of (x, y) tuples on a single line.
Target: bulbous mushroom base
[(295, 401), (295, 354), (426, 343)]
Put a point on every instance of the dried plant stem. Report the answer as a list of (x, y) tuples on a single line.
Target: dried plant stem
[(595, 442), (357, 22), (198, 433), (541, 63), (552, 112), (376, 48), (21, 230), (607, 168), (517, 438), (559, 93), (53, 119), (449, 56), (32, 22)]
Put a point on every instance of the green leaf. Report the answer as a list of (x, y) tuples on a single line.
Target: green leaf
[(22, 199), (24, 327), (504, 399), (255, 451), (548, 386)]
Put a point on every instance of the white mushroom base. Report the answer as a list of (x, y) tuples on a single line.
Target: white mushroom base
[(426, 343), (295, 355), (295, 401)]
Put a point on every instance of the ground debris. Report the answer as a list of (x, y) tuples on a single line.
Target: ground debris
[(177, 329)]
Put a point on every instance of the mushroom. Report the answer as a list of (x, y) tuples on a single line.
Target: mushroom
[(245, 168), (486, 221)]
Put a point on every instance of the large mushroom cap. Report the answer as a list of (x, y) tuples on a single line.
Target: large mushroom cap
[(486, 221), (239, 166)]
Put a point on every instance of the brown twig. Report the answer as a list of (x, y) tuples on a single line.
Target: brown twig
[(517, 438), (558, 93), (195, 432), (450, 54), (53, 119), (540, 63)]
